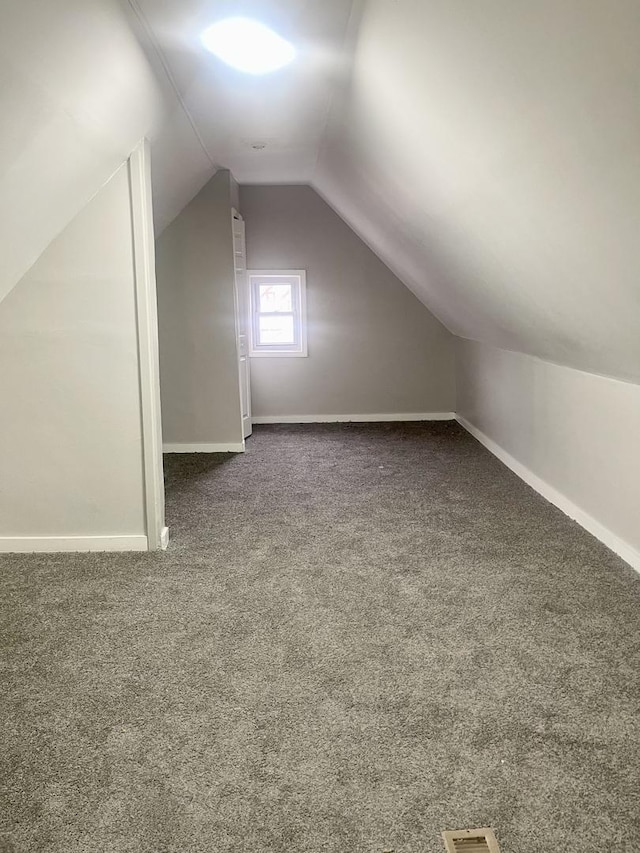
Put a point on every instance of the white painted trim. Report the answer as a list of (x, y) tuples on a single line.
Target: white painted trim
[(302, 350), (278, 353), (148, 354), (364, 419), (164, 538), (607, 537), (231, 447), (57, 544)]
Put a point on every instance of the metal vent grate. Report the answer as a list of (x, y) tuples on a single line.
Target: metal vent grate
[(471, 841)]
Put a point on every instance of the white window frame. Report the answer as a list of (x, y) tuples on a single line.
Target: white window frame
[(298, 280)]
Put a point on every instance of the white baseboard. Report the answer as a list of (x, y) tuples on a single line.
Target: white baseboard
[(57, 544), (204, 448), (164, 538), (364, 419), (606, 536)]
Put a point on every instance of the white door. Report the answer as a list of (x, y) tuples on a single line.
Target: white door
[(242, 321)]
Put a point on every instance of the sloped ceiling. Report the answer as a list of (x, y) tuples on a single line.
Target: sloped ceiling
[(490, 152), (82, 81), (284, 113), (77, 93)]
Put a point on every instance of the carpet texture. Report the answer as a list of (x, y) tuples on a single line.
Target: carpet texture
[(360, 636)]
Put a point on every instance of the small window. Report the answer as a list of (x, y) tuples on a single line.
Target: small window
[(278, 312)]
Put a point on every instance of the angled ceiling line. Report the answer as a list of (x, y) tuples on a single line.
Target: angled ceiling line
[(348, 50), (393, 269), (167, 70)]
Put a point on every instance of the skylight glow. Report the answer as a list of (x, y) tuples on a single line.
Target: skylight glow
[(248, 45)]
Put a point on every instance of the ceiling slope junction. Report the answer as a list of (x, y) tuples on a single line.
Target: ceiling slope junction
[(490, 153)]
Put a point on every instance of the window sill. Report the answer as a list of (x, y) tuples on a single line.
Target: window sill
[(277, 354)]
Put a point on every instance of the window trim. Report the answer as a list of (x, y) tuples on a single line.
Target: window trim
[(299, 350)]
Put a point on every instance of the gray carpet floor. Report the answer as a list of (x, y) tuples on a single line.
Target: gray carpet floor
[(360, 636)]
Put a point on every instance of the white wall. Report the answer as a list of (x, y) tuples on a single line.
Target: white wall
[(71, 453), (197, 326), (373, 347), (578, 432)]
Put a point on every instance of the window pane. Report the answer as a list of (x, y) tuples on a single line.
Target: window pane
[(275, 297), (276, 330)]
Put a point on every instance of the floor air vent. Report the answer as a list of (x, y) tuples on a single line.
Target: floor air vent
[(471, 841)]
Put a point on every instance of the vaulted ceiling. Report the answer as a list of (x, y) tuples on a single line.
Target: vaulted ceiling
[(488, 151), (77, 93), (284, 113)]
